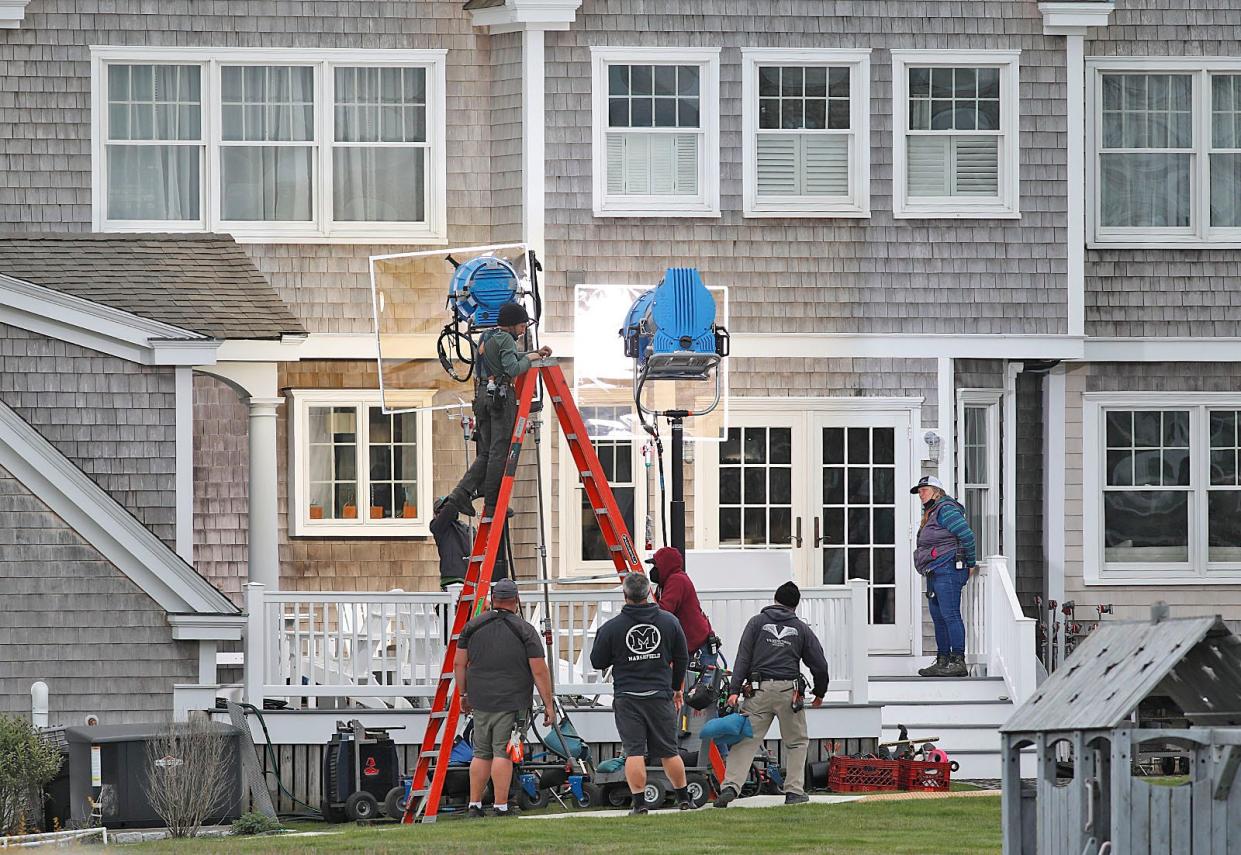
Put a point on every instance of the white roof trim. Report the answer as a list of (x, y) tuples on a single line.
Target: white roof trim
[(12, 13), (103, 523), (207, 627), (516, 15), (101, 328)]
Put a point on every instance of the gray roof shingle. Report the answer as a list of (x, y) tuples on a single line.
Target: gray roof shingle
[(200, 282)]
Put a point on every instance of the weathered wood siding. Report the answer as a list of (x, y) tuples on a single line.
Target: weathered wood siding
[(45, 106), (221, 485), (830, 275), (69, 618), (114, 419)]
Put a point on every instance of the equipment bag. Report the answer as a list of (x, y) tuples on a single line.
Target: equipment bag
[(728, 730)]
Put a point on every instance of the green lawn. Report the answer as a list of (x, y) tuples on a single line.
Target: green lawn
[(924, 827)]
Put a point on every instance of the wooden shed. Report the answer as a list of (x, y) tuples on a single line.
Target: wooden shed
[(1086, 711)]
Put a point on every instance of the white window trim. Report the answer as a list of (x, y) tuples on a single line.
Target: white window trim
[(322, 230), (707, 202), (857, 204), (1200, 233), (990, 399), (300, 523), (570, 514), (1197, 571), (1008, 206)]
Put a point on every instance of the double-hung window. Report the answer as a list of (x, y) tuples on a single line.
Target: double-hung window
[(955, 123), (1163, 496), (806, 121), (1166, 151), (978, 461), (284, 145), (656, 131), (356, 470)]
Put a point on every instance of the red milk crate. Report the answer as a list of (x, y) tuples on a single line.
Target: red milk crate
[(925, 777), (862, 775)]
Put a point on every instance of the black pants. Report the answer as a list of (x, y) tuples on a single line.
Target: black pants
[(494, 418)]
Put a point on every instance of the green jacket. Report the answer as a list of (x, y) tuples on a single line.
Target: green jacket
[(500, 358)]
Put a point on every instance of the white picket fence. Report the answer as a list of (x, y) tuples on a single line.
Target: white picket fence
[(998, 634), (385, 651)]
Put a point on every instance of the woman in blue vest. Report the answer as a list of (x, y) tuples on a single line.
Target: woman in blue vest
[(946, 557)]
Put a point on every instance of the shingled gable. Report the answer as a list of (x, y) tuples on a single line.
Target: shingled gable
[(103, 523), (1194, 661), (203, 283)]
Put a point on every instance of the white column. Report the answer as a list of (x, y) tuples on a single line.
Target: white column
[(264, 551), (946, 393), (1009, 472), (533, 125), (1054, 475)]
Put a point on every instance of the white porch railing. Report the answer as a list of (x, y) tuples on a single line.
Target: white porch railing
[(382, 650), (998, 634)]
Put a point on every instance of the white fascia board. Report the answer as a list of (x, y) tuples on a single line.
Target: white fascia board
[(93, 325), (517, 15), (102, 522), (182, 352), (1177, 349), (12, 13), (198, 627), (1072, 19)]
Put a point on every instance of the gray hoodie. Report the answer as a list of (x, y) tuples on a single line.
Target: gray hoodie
[(774, 645)]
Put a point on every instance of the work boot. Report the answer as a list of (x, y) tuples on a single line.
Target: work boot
[(474, 812), (639, 804), (509, 811), (955, 666), (935, 667), (727, 794), (796, 798)]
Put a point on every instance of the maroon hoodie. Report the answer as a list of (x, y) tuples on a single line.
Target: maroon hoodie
[(677, 595)]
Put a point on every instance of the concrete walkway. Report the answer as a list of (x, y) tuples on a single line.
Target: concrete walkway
[(752, 802)]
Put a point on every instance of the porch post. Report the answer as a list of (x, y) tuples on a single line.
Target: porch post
[(264, 554), (255, 644), (859, 644)]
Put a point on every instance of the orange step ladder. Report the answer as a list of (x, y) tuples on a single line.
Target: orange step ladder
[(427, 785)]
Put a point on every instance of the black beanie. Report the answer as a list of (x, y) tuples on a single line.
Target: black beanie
[(512, 314), (788, 595)]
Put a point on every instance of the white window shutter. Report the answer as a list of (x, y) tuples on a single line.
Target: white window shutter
[(641, 164), (977, 166), (777, 165), (928, 165), (825, 165)]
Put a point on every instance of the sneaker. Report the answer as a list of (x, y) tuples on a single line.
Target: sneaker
[(638, 810), (796, 798), (473, 812), (726, 795), (511, 811), (685, 804), (935, 667)]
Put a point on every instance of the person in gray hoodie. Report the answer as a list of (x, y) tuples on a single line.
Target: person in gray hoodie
[(645, 648), (773, 646)]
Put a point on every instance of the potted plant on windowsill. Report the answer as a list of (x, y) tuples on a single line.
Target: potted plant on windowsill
[(377, 512), (349, 512), (316, 512), (409, 512)]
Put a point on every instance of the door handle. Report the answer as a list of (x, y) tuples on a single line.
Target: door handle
[(796, 538), (818, 541)]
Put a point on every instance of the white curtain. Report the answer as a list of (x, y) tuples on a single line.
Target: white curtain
[(153, 182), (377, 185), (1145, 190)]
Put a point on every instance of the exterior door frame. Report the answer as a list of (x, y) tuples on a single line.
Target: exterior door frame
[(812, 413)]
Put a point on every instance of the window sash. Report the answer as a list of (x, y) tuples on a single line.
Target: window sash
[(288, 188), (370, 451)]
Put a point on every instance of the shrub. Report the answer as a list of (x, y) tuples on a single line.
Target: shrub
[(188, 775), (26, 764), (255, 823)]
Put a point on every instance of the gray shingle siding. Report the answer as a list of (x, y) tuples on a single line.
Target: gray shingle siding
[(1030, 558), (114, 419), (45, 112), (70, 618), (872, 275), (221, 485), (506, 136), (1165, 292)]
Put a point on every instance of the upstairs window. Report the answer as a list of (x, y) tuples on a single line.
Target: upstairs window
[(1166, 159), (956, 148), (271, 144), (656, 132), (806, 120)]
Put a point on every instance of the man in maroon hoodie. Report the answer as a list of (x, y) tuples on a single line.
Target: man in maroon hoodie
[(676, 594)]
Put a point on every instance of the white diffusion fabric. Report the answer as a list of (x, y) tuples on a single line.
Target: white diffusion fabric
[(603, 377)]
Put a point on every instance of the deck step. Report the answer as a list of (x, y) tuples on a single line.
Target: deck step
[(885, 690), (979, 737), (992, 713)]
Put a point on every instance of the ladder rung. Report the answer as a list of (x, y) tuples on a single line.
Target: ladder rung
[(571, 437), (433, 753), (615, 549), (439, 714), (586, 473), (417, 794), (447, 676)]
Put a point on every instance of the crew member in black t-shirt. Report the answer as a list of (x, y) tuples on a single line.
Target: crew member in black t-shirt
[(499, 662)]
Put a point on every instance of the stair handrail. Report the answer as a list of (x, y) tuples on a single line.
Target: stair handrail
[(1010, 634)]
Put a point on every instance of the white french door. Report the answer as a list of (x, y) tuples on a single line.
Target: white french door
[(829, 481)]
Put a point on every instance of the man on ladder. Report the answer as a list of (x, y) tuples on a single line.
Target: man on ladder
[(495, 409)]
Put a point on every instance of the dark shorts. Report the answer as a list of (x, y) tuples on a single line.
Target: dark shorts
[(647, 726)]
